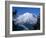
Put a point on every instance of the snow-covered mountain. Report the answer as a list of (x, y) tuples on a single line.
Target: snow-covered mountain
[(25, 21), (26, 18)]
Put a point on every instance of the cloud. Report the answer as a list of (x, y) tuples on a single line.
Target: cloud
[(26, 18)]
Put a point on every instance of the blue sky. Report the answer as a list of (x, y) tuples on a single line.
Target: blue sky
[(21, 10)]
